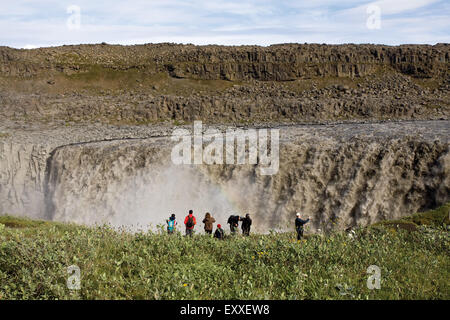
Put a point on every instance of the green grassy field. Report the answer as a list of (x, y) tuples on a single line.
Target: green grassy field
[(414, 262)]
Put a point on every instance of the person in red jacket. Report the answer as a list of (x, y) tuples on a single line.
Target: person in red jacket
[(190, 222)]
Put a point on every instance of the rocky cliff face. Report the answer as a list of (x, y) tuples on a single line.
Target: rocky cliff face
[(283, 62), (22, 178), (393, 97), (246, 84)]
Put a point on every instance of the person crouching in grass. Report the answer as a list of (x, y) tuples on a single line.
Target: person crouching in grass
[(219, 234)]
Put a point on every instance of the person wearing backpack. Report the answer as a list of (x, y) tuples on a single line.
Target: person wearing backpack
[(299, 226), (171, 224), (208, 221), (246, 224), (233, 221), (219, 234), (190, 223)]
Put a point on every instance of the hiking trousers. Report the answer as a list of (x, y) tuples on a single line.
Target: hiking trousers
[(299, 233)]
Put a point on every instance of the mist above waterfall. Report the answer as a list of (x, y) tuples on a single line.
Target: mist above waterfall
[(148, 198), (135, 184)]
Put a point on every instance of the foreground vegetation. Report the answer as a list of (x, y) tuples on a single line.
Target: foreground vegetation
[(414, 263)]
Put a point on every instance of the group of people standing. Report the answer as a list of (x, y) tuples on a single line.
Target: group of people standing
[(190, 221), (233, 221)]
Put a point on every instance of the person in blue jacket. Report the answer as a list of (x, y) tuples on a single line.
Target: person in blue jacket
[(171, 224), (299, 226)]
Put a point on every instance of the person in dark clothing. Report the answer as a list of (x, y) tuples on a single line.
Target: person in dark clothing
[(171, 224), (233, 221), (299, 226), (219, 234), (190, 223), (208, 221), (246, 224)]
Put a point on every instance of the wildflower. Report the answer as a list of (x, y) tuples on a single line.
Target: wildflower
[(184, 284)]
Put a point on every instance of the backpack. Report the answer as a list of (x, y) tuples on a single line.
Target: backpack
[(190, 222), (171, 225)]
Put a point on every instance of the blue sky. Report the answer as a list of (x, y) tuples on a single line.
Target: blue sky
[(35, 23)]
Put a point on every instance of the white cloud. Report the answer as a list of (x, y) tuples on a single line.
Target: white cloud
[(399, 6), (263, 22)]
